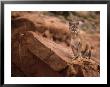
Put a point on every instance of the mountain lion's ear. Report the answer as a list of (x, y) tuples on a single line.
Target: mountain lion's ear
[(70, 23), (77, 23), (81, 22)]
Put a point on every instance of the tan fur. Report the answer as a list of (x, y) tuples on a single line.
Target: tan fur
[(79, 48)]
